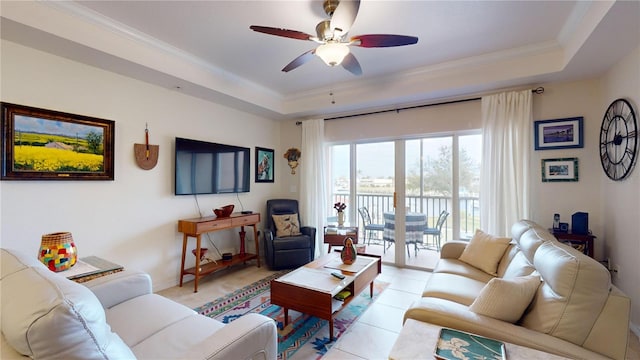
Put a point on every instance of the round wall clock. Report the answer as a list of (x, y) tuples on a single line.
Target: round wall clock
[(618, 140)]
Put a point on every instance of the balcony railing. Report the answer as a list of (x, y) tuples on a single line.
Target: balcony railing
[(377, 204)]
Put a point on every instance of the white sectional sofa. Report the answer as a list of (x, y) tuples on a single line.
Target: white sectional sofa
[(47, 316), (572, 310)]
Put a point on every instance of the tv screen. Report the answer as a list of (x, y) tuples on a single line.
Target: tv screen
[(209, 168)]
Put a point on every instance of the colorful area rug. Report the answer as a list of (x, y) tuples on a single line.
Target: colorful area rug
[(305, 337)]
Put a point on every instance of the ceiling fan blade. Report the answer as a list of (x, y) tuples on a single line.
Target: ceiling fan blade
[(351, 64), (344, 16), (293, 34), (300, 60), (382, 40)]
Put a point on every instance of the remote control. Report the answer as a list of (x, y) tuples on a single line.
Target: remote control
[(337, 275)]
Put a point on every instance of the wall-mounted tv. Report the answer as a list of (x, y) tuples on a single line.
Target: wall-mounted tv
[(209, 168)]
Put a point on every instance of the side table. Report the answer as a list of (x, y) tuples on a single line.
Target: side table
[(91, 267), (417, 340), (335, 236), (582, 242)]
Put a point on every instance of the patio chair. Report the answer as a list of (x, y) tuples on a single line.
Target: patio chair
[(369, 228), (437, 230)]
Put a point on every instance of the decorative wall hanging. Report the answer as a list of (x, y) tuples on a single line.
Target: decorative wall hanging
[(618, 140), (264, 165), (293, 155), (146, 155), (39, 144), (565, 169), (559, 134)]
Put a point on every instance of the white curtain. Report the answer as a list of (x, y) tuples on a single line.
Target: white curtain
[(505, 179), (312, 179)]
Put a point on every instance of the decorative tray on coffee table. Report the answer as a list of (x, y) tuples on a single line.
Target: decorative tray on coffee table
[(454, 344)]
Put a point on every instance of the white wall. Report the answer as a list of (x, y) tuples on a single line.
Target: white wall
[(133, 219), (564, 100), (412, 122), (558, 101), (621, 199)]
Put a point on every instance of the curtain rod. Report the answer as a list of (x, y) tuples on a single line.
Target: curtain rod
[(538, 90)]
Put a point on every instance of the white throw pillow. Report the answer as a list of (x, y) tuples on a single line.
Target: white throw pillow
[(286, 225), (506, 299), (484, 252)]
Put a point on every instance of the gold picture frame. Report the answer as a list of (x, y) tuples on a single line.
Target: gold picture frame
[(40, 144)]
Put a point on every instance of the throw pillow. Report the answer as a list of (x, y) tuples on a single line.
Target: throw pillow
[(286, 225), (506, 299), (484, 251)]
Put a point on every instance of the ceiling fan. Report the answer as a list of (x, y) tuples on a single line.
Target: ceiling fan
[(332, 37)]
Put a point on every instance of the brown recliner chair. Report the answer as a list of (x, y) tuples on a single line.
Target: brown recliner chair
[(286, 252)]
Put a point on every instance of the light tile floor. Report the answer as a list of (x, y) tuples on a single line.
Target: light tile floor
[(371, 337), (375, 332)]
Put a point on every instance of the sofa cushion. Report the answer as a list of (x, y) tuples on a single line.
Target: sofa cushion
[(531, 240), (517, 266), (177, 339), (45, 315), (506, 299), (460, 289), (485, 251), (286, 225), (573, 293), (157, 327), (15, 260), (520, 227), (139, 318), (455, 266)]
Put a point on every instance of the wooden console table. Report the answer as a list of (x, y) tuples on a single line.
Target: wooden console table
[(198, 226), (582, 242)]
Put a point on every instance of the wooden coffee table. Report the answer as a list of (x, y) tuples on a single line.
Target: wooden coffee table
[(310, 289)]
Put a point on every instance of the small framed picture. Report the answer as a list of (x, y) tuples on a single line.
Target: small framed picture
[(565, 169), (40, 144), (264, 165), (559, 133)]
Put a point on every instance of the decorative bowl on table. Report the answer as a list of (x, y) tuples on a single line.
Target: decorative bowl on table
[(224, 211), (203, 253)]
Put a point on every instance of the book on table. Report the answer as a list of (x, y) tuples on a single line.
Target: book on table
[(452, 344), (342, 295)]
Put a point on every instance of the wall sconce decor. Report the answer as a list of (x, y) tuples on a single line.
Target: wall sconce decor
[(292, 155), (146, 155)]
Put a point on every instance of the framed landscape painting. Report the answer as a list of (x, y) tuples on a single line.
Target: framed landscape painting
[(264, 165), (39, 144), (565, 169), (559, 134)]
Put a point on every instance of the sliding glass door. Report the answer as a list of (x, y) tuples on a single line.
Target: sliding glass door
[(406, 185)]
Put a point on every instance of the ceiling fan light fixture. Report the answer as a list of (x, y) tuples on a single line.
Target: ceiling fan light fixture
[(332, 53)]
